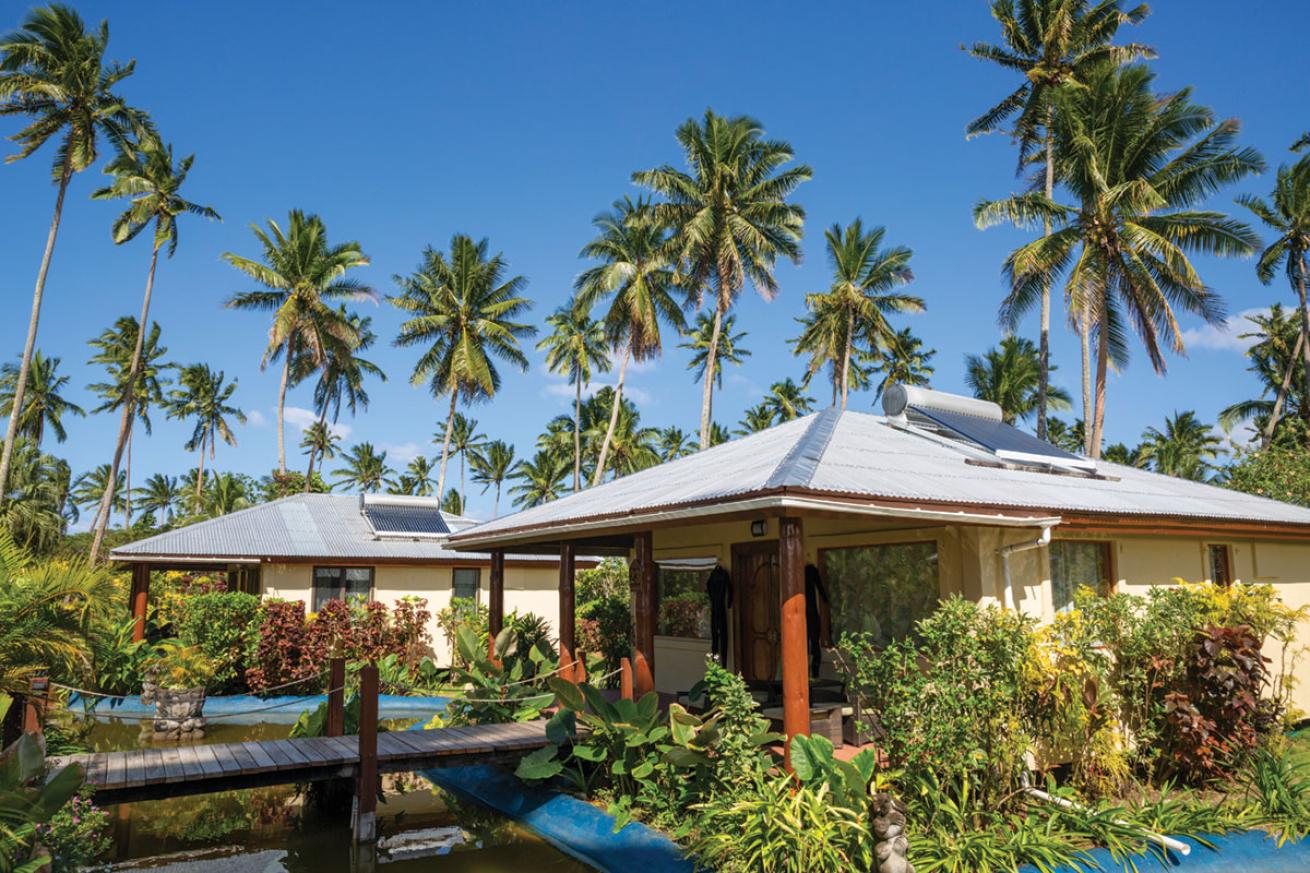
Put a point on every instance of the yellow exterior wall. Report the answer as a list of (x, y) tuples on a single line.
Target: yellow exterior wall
[(527, 589)]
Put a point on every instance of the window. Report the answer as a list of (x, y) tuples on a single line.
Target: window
[(341, 583), (1221, 564), (880, 590), (684, 607), (466, 583), (1075, 564)]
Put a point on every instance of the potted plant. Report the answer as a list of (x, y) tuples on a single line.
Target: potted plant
[(177, 678)]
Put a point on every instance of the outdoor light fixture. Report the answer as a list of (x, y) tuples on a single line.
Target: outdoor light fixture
[(759, 528)]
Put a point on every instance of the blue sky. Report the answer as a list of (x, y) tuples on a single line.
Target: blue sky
[(401, 124)]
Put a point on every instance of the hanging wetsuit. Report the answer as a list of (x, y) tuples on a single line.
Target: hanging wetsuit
[(813, 628), (719, 589)]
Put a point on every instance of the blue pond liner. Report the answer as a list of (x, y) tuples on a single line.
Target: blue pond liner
[(249, 709), (1245, 851), (573, 826)]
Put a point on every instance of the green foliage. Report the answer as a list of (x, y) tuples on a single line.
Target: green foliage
[(609, 578), (1280, 786), (224, 626), (28, 800), (497, 689), (605, 629), (463, 612), (76, 835), (175, 666), (119, 662), (742, 730), (814, 764), (313, 723), (1278, 472)]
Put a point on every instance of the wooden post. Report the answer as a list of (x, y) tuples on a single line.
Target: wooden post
[(795, 670), (567, 619), (625, 679), (140, 599), (366, 788), (642, 580), (496, 600), (336, 711)]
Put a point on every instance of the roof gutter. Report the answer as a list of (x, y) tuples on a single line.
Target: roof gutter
[(179, 559), (777, 502), (1006, 551)]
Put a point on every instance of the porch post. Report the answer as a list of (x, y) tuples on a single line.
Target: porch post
[(496, 597), (140, 599), (642, 579), (567, 621), (795, 671)]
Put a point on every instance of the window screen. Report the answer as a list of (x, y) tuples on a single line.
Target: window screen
[(881, 590), (341, 583), (466, 583), (1075, 564)]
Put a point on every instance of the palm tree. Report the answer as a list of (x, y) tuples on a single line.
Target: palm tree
[(755, 419), (37, 508), (729, 216), (718, 435), (1186, 448), (116, 347), (1276, 359), (464, 310), (1137, 165), (160, 496), (89, 489), (903, 361), (1289, 216), (204, 397), (631, 446), (227, 493), (730, 349), (319, 441), (540, 480), (1010, 377), (492, 463), (1120, 453), (635, 275), (864, 275), (673, 443), (786, 401), (823, 338), (575, 346), (54, 72), (1070, 437), (1054, 45), (418, 476), (43, 405), (145, 174), (452, 503), (464, 438), (301, 273), (365, 469), (342, 371)]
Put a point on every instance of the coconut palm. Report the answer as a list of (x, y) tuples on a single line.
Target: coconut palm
[(1121, 453), (365, 469), (203, 395), (823, 338), (634, 274), (1289, 217), (419, 472), (786, 401), (1010, 377), (1137, 165), (864, 276), (342, 371), (227, 493), (37, 508), (729, 217), (89, 489), (492, 463), (575, 347), (1070, 437), (53, 71), (464, 438), (1054, 45), (1277, 361), (452, 504), (755, 419), (730, 349), (1187, 447), (464, 311), (160, 496), (718, 435), (43, 404), (319, 442), (539, 480), (673, 443), (301, 274), (631, 446), (903, 361)]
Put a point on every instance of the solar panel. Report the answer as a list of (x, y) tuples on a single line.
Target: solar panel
[(399, 519), (1006, 442)]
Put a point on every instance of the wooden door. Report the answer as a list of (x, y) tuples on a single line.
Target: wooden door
[(755, 572)]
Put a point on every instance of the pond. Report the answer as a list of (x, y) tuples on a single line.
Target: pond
[(279, 829)]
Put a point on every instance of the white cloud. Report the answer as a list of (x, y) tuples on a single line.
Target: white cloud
[(255, 418), (301, 418), (565, 390), (1224, 337), (401, 453)]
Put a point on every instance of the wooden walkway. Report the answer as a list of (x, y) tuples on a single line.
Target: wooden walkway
[(154, 773)]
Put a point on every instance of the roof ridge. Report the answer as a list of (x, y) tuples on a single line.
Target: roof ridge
[(798, 466)]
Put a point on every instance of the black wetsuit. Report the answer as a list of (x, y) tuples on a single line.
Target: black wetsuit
[(719, 589)]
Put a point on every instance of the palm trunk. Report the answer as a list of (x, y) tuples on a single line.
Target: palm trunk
[(128, 414), (495, 512), (577, 435), (281, 412), (846, 358), (462, 455), (29, 347), (1084, 337), (1044, 343), (1268, 437), (711, 358), (1305, 331), (200, 472), (445, 445), (127, 483), (1102, 364), (614, 417)]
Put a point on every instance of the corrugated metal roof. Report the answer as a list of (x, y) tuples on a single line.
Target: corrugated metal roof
[(857, 453), (299, 526)]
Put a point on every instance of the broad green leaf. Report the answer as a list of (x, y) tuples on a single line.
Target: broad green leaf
[(589, 753), (642, 770), (541, 764), (568, 694), (561, 727)]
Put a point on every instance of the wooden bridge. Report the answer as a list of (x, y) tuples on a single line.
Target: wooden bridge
[(151, 774)]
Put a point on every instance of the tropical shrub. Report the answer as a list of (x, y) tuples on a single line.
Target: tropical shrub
[(496, 689), (283, 653), (463, 612), (609, 578), (682, 616), (605, 628), (76, 835), (29, 800), (224, 626), (743, 732), (530, 631), (118, 661), (1280, 786), (175, 666)]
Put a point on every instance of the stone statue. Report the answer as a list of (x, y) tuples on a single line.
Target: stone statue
[(891, 848)]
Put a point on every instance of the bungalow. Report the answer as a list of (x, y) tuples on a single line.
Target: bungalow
[(935, 497), (317, 547)]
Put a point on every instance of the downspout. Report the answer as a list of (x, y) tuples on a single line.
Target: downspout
[(1006, 551)]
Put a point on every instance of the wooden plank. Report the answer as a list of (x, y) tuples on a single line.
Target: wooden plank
[(261, 757), (281, 758), (134, 771), (237, 751), (117, 766), (173, 765), (401, 740), (95, 769), (226, 760), (154, 766), (191, 768), (318, 751), (294, 752), (346, 747), (209, 766)]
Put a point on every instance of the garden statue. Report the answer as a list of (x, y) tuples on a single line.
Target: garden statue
[(891, 848)]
